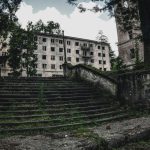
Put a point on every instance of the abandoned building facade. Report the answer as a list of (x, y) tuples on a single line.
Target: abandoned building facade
[(50, 54)]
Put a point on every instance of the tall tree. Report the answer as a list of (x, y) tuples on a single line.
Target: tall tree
[(21, 50), (138, 7), (8, 19), (50, 27), (30, 45), (15, 50)]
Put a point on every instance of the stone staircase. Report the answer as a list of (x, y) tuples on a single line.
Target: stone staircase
[(35, 105)]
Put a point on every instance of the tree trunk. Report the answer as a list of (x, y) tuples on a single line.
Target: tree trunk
[(144, 11)]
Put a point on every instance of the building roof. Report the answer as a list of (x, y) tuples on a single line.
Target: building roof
[(73, 38)]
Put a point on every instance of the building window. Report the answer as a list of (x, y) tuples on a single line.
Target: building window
[(60, 67), (60, 50), (44, 57), (130, 34), (91, 45), (77, 59), (52, 40), (91, 53), (4, 53), (52, 66), (100, 62), (44, 48), (104, 62), (52, 57), (77, 51), (68, 50), (85, 44), (68, 43), (132, 53), (36, 56), (98, 47), (103, 55), (44, 66), (60, 42), (44, 39), (105, 69), (35, 66), (103, 47), (92, 60), (53, 49), (100, 69), (69, 58), (76, 43), (61, 58), (23, 65), (99, 54)]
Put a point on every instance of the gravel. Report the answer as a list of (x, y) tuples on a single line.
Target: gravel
[(115, 134)]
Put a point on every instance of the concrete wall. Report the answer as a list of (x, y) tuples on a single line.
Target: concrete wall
[(134, 88), (92, 76)]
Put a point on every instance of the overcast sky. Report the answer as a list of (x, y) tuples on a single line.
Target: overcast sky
[(84, 25)]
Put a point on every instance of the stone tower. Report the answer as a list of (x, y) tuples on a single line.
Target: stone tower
[(129, 45)]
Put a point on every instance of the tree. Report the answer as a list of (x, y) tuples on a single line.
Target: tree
[(21, 50), (138, 9), (30, 45), (118, 64), (15, 50), (8, 19), (50, 27)]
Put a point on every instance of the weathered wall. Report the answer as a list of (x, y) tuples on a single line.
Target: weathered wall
[(134, 88), (92, 76)]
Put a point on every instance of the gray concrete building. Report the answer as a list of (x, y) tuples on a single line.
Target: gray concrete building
[(50, 54)]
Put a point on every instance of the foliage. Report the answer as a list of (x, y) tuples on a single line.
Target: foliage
[(15, 50), (30, 44), (21, 50), (118, 64), (50, 27), (8, 19), (112, 58)]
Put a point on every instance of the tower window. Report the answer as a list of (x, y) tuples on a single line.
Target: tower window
[(132, 53)]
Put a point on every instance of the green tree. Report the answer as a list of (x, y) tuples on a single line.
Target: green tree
[(30, 45), (15, 50), (50, 27), (118, 64), (8, 19), (21, 50)]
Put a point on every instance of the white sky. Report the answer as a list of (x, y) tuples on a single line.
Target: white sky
[(76, 24)]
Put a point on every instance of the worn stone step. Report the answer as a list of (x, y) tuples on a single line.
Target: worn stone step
[(33, 107), (56, 121), (60, 127), (58, 112), (56, 103), (27, 117)]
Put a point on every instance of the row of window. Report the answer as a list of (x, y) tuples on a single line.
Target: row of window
[(53, 66), (61, 58), (69, 43), (69, 51)]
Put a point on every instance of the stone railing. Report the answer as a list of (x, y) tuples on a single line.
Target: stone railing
[(91, 75), (134, 88)]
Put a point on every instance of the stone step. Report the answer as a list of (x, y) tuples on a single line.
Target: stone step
[(52, 116), (48, 88), (62, 127), (58, 112), (33, 107), (45, 94), (15, 123), (56, 103)]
